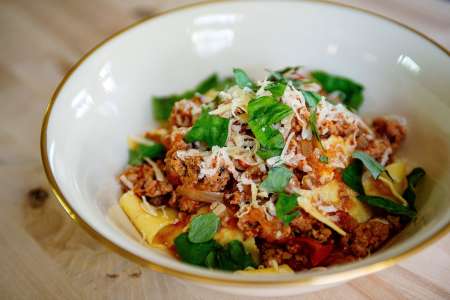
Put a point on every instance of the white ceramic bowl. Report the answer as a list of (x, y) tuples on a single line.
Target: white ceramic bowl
[(106, 97)]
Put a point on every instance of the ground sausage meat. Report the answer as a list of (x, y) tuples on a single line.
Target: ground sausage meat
[(185, 171), (368, 237), (391, 129), (144, 183), (309, 226), (255, 223), (185, 113)]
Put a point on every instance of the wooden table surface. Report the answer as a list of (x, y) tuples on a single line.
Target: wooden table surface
[(43, 254)]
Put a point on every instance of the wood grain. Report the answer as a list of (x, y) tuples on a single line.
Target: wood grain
[(43, 254)]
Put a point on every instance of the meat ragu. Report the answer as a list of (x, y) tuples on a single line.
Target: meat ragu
[(279, 173)]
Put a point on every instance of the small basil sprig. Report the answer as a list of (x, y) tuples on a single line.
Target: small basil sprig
[(313, 126), (352, 176), (276, 88), (312, 99), (352, 91), (374, 167), (203, 227), (193, 253), (242, 79), (279, 74), (277, 179), (263, 113), (210, 254), (285, 206), (210, 129), (323, 159), (387, 205), (231, 257), (198, 247), (413, 179), (136, 156)]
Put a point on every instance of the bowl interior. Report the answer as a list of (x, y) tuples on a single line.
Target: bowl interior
[(107, 98)]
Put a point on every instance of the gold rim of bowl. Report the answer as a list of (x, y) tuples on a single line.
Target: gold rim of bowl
[(307, 280)]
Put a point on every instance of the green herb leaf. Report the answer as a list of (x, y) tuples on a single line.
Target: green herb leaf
[(279, 74), (352, 91), (415, 176), (352, 176), (242, 79), (276, 88), (136, 156), (266, 153), (268, 110), (203, 227), (312, 99), (323, 159), (210, 129), (285, 206), (233, 257), (413, 179), (194, 253), (374, 167), (263, 113), (313, 126), (211, 261), (239, 255), (162, 105), (211, 82), (387, 205), (277, 179)]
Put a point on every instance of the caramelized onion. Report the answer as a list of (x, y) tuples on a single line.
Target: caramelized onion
[(201, 196)]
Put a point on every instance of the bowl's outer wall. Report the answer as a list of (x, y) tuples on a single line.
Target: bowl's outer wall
[(107, 98)]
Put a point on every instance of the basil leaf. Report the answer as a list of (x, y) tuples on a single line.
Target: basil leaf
[(203, 228), (276, 88), (277, 179), (352, 91), (210, 129), (323, 159), (208, 84), (352, 176), (136, 156), (225, 262), (239, 255), (285, 206), (242, 79), (415, 176), (211, 261), (266, 153), (413, 179), (271, 140), (313, 126), (279, 74), (233, 257), (312, 99), (268, 110), (387, 205), (374, 167), (193, 253), (263, 113), (162, 105)]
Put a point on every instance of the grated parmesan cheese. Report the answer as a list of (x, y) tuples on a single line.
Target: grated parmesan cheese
[(150, 209), (158, 174), (126, 182)]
